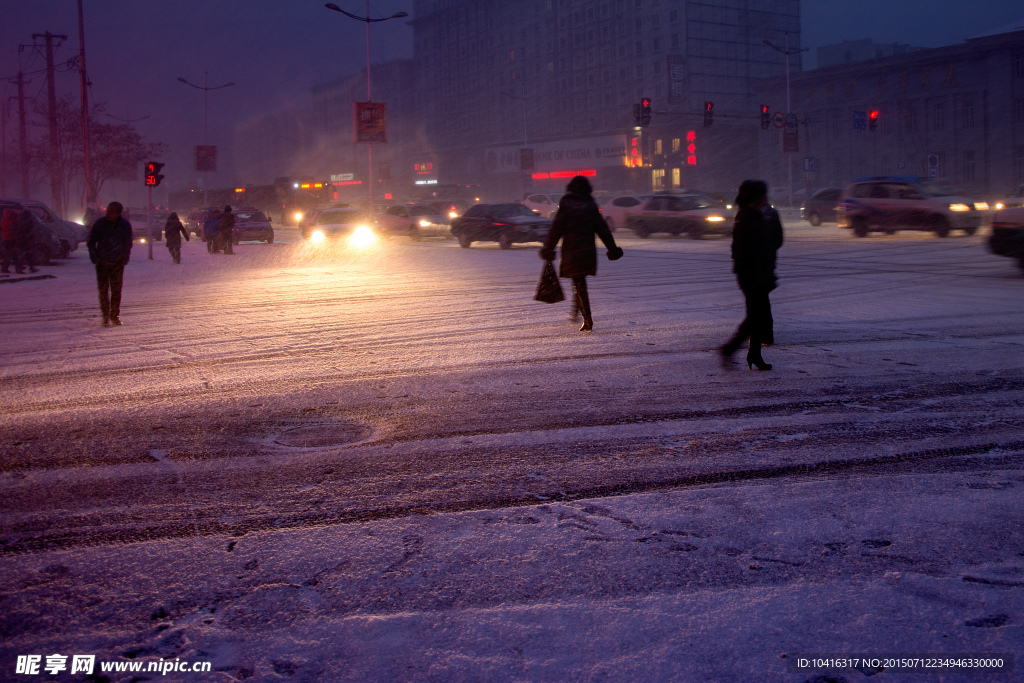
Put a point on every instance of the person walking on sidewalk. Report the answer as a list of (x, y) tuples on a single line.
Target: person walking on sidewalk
[(24, 240), (210, 231), (110, 246), (577, 221), (173, 232), (226, 227), (9, 246), (755, 241)]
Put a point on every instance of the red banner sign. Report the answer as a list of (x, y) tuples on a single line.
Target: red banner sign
[(370, 122)]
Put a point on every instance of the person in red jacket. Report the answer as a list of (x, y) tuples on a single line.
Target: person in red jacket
[(11, 252)]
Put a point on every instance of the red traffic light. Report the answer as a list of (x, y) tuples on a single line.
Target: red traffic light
[(646, 102), (873, 114), (764, 108)]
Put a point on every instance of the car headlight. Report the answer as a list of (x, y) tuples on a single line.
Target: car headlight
[(424, 223), (453, 214), (999, 205), (362, 237), (715, 219), (298, 215), (959, 207), (981, 206), (317, 237)]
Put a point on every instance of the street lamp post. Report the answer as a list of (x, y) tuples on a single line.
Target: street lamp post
[(524, 99), (789, 103), (206, 115), (367, 20)]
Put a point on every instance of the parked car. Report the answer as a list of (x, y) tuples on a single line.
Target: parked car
[(544, 204), (891, 203), (68, 234), (335, 223), (616, 211), (1007, 238), (252, 224), (693, 214), (821, 206), (415, 220), (46, 243), (506, 224)]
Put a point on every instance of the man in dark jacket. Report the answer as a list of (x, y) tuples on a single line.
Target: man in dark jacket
[(11, 252), (577, 221), (210, 231), (110, 245), (173, 230), (226, 227), (24, 238)]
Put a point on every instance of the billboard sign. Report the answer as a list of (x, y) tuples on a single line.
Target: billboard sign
[(206, 157), (370, 122)]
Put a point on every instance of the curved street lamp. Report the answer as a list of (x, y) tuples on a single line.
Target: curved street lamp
[(787, 51), (206, 114), (367, 20)]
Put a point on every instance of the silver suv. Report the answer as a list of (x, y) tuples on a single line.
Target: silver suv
[(890, 203)]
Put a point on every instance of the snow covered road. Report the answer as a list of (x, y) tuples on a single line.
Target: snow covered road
[(396, 465)]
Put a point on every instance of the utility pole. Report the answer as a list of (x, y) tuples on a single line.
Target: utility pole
[(90, 193), (51, 96), (3, 147), (23, 133)]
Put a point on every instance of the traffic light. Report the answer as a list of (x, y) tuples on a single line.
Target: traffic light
[(645, 111), (766, 117), (873, 120), (153, 176), (709, 114)]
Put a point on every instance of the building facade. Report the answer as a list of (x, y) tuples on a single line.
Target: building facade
[(561, 77), (954, 113)]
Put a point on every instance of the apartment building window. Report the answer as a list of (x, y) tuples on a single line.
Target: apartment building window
[(675, 145), (656, 44), (675, 40), (939, 117), (655, 21), (968, 166), (638, 49), (658, 178), (676, 179), (673, 16), (968, 114), (639, 70), (658, 150), (638, 24)]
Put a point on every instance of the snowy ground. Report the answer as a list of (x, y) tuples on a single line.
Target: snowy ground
[(397, 466)]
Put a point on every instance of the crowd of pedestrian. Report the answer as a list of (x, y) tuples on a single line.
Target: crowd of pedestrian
[(16, 233)]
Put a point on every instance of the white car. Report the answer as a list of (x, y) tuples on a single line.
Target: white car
[(617, 211), (693, 214), (1013, 201), (544, 204), (415, 220)]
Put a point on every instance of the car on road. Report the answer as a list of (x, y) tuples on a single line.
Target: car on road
[(506, 224), (890, 203), (46, 243), (821, 207), (693, 214), (1007, 238), (339, 223), (415, 220), (617, 211), (1011, 201), (544, 204), (251, 225), (68, 233)]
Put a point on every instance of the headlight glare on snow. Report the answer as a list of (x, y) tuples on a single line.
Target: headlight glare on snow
[(317, 237), (424, 223), (362, 237)]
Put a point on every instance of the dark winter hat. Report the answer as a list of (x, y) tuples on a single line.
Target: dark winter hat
[(751, 191), (579, 185), (227, 209)]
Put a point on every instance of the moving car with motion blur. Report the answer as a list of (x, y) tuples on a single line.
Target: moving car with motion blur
[(822, 206), (692, 214), (544, 204), (506, 224), (1007, 238), (1011, 201), (415, 220), (348, 225), (252, 225), (617, 211), (68, 233), (890, 203)]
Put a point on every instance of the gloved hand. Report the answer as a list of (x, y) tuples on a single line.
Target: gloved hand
[(615, 253), (547, 254)]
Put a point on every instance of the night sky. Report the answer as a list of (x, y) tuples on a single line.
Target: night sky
[(274, 51)]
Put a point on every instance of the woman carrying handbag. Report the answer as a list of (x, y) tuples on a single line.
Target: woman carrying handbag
[(576, 223)]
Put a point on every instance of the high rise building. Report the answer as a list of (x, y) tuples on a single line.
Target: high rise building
[(561, 78)]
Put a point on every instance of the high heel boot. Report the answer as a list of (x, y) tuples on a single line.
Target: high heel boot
[(754, 358), (579, 286)]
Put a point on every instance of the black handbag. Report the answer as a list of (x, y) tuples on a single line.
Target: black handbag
[(549, 289)]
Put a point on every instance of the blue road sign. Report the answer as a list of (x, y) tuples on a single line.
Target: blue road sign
[(860, 120), (810, 164)]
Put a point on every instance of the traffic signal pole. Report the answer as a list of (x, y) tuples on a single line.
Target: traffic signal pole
[(149, 217)]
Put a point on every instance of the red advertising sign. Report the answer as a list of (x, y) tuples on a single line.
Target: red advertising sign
[(369, 122), (206, 157)]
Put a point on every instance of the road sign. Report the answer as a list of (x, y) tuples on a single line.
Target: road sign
[(206, 157), (791, 121), (860, 120), (933, 171), (901, 166), (933, 161), (779, 119), (810, 164)]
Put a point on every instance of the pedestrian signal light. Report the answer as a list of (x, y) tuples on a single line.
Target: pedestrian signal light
[(709, 114), (766, 117), (873, 120), (153, 176), (645, 111)]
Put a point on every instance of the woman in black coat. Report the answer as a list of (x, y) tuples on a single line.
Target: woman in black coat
[(173, 231), (577, 221), (755, 240)]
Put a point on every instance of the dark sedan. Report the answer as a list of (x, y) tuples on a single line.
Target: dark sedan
[(1007, 237), (821, 206), (251, 224), (505, 224)]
